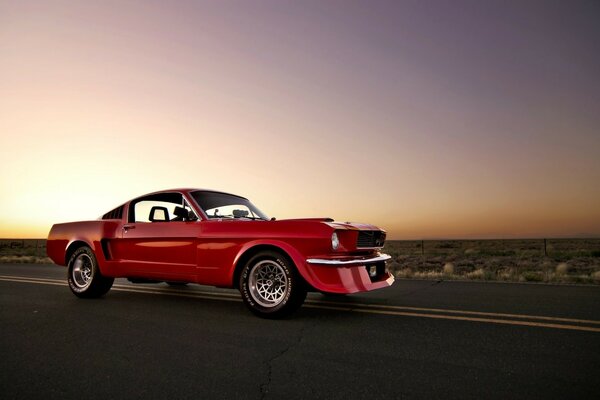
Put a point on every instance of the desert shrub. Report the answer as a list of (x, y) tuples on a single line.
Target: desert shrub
[(447, 245), (428, 274), (580, 279), (532, 276), (481, 273), (499, 253), (477, 274), (404, 273), (448, 268), (394, 266), (506, 274), (562, 269)]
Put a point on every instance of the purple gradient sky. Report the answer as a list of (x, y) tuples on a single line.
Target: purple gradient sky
[(430, 118)]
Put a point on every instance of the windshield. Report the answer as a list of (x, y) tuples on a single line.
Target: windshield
[(221, 205)]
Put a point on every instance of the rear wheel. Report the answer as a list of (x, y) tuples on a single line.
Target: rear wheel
[(270, 285), (84, 277)]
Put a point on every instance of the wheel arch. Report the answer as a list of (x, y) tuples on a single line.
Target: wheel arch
[(254, 248), (73, 246)]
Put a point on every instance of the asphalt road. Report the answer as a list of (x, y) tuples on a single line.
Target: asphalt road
[(417, 339)]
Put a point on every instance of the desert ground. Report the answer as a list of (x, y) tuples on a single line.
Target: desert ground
[(525, 260)]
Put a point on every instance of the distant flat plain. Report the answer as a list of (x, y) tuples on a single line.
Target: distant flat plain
[(525, 260), (514, 260)]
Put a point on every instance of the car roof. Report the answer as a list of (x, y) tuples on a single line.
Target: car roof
[(188, 190)]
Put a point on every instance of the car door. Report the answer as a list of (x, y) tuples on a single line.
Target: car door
[(154, 244)]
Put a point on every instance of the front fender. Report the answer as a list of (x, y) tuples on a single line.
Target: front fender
[(349, 277), (297, 257)]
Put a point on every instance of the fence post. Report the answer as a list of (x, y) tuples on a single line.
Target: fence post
[(545, 249), (422, 247)]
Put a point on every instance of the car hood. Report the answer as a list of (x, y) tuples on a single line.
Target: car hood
[(337, 224)]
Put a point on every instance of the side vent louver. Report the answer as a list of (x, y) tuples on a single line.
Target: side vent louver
[(117, 213)]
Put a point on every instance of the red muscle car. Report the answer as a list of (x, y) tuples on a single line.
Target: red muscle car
[(212, 238)]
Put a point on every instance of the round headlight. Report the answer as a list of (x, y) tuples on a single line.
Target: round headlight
[(335, 242)]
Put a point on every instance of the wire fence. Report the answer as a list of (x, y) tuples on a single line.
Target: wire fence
[(501, 247)]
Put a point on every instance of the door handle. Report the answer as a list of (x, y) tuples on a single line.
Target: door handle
[(128, 227)]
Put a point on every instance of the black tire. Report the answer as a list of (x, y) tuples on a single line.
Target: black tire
[(84, 277), (270, 285), (177, 283)]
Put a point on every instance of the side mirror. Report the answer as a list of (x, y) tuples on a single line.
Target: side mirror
[(191, 216)]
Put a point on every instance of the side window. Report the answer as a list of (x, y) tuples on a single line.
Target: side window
[(154, 211), (161, 207)]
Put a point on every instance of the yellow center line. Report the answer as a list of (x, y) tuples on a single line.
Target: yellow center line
[(453, 317), (121, 288), (32, 280), (447, 311), (398, 308), (350, 307)]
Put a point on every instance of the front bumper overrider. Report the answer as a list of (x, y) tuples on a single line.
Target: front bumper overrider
[(348, 275), (349, 263)]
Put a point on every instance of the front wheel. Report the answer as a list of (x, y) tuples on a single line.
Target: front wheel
[(84, 277), (270, 285)]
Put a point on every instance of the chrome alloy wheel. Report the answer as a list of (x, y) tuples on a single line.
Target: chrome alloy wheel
[(268, 283), (82, 271)]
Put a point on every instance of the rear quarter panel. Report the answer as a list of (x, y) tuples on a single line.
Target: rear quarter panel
[(62, 236)]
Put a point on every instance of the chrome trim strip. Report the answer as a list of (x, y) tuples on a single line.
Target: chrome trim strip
[(361, 261)]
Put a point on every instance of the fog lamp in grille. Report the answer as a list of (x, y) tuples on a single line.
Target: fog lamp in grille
[(373, 271)]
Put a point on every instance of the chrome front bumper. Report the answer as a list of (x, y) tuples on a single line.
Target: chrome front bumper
[(349, 263)]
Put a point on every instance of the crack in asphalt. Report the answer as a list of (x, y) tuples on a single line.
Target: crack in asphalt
[(264, 387)]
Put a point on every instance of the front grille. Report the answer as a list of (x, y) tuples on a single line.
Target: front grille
[(370, 239)]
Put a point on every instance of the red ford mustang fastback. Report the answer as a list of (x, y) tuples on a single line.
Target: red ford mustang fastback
[(214, 238)]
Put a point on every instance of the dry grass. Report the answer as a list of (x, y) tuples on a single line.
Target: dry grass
[(427, 275), (24, 260), (477, 274)]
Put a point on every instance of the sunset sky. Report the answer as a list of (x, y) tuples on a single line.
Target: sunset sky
[(431, 119)]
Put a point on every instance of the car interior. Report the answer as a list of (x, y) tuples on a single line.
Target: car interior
[(161, 207)]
